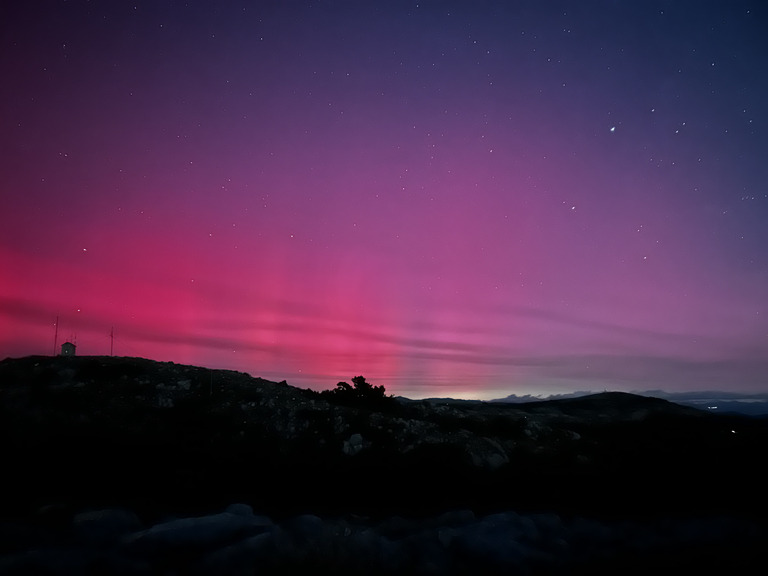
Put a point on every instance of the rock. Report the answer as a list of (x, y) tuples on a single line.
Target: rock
[(487, 453), (367, 549), (165, 402), (493, 544), (53, 561), (354, 445), (306, 527), (104, 526), (240, 509), (205, 532), (241, 558)]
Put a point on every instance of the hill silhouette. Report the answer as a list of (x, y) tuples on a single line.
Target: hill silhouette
[(155, 432), (159, 438)]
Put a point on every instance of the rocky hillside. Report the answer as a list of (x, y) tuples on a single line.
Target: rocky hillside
[(102, 447), (103, 430)]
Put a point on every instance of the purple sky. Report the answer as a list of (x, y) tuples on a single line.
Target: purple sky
[(466, 199)]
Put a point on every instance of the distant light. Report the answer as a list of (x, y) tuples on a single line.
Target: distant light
[(613, 128)]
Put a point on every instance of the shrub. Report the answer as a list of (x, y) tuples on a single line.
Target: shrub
[(360, 393)]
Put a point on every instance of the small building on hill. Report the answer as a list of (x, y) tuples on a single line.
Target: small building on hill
[(68, 349)]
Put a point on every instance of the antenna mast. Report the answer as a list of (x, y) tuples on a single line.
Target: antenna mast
[(56, 336), (112, 341)]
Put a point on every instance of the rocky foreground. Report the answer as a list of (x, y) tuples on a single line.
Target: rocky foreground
[(125, 465), (237, 541)]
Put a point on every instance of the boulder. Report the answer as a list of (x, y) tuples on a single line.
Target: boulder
[(203, 532), (487, 453), (353, 445), (240, 509), (241, 557), (102, 527)]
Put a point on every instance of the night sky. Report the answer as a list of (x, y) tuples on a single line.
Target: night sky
[(467, 199)]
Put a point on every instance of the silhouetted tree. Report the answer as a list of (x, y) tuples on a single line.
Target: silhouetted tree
[(364, 390), (359, 393), (342, 388)]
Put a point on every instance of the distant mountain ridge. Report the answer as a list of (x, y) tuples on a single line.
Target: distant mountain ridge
[(754, 404)]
